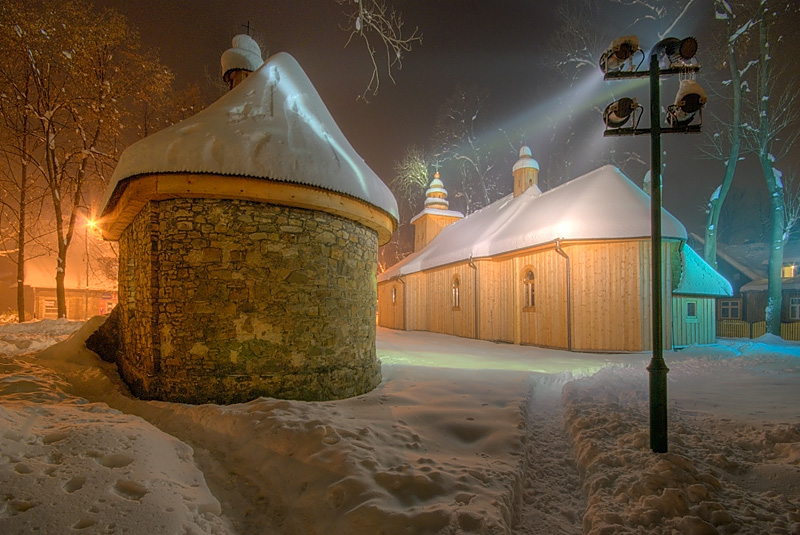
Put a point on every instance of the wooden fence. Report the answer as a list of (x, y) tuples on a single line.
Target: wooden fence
[(743, 329)]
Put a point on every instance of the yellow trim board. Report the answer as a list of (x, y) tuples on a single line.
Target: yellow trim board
[(140, 190)]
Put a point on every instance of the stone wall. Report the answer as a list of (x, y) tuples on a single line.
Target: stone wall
[(224, 301)]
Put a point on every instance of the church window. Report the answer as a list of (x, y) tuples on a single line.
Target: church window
[(394, 295), (456, 293), (529, 289)]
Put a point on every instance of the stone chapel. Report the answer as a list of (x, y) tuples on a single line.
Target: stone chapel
[(248, 239)]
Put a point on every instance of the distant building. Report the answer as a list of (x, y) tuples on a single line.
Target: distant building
[(248, 246), (746, 266), (87, 288), (568, 268)]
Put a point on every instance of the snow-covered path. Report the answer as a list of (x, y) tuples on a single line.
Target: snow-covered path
[(553, 501)]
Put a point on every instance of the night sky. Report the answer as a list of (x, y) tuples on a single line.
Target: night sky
[(503, 47)]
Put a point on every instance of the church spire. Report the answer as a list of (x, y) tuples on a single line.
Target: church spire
[(435, 216), (436, 194)]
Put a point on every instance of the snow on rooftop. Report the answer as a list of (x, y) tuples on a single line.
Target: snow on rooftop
[(602, 204), (437, 211), (698, 278), (273, 125)]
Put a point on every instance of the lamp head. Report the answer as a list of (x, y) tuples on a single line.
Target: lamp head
[(673, 52), (619, 51), (617, 113), (690, 99)]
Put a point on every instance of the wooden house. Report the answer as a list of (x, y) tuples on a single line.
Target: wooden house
[(89, 289), (568, 268), (745, 266)]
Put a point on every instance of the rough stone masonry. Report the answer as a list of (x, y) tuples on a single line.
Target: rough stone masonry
[(228, 300)]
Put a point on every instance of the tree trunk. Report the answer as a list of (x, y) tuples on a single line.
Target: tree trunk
[(774, 284), (717, 200), (21, 248), (773, 182)]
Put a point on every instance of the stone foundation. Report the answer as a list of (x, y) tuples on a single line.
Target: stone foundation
[(224, 301)]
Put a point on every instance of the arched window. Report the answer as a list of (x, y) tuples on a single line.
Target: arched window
[(528, 290), (456, 293), (394, 295)]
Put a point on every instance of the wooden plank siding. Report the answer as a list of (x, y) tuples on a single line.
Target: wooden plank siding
[(497, 310), (390, 312), (698, 330), (609, 297), (544, 324)]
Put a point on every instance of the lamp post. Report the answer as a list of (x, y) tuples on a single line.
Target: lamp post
[(679, 116)]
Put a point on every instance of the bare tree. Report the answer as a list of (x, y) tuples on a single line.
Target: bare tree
[(726, 146), (460, 137), (379, 26), (410, 181), (85, 65), (773, 133)]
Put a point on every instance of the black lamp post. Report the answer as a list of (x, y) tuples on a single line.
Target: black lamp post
[(680, 53)]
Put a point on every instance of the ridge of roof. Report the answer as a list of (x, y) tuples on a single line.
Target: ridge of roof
[(602, 204)]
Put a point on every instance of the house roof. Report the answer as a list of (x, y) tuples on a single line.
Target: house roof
[(722, 252), (602, 204), (760, 285), (273, 125), (698, 278)]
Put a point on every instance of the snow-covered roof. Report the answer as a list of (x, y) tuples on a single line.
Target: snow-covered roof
[(602, 204), (437, 211), (273, 125), (245, 54), (698, 278), (788, 283)]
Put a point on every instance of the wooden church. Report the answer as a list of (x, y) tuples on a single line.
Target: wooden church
[(568, 268)]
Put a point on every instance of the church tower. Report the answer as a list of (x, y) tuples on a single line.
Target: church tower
[(435, 216), (526, 172)]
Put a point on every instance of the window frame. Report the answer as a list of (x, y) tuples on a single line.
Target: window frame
[(794, 308), (691, 318), (455, 288), (729, 305), (528, 289)]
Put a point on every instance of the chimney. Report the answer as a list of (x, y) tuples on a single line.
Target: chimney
[(526, 172), (240, 60)]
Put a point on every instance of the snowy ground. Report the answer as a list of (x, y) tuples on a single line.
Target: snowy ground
[(462, 436)]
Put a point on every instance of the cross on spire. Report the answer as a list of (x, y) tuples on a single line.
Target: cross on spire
[(248, 27), (436, 166)]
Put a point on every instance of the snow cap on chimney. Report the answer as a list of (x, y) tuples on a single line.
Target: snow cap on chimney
[(240, 60)]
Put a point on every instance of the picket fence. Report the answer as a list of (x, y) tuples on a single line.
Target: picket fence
[(743, 329)]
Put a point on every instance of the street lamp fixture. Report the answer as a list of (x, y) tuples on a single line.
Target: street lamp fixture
[(669, 56), (690, 99), (619, 52), (675, 53), (618, 113)]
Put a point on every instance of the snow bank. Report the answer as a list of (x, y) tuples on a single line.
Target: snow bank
[(720, 475), (16, 338)]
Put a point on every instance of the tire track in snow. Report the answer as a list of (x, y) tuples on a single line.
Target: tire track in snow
[(553, 500)]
